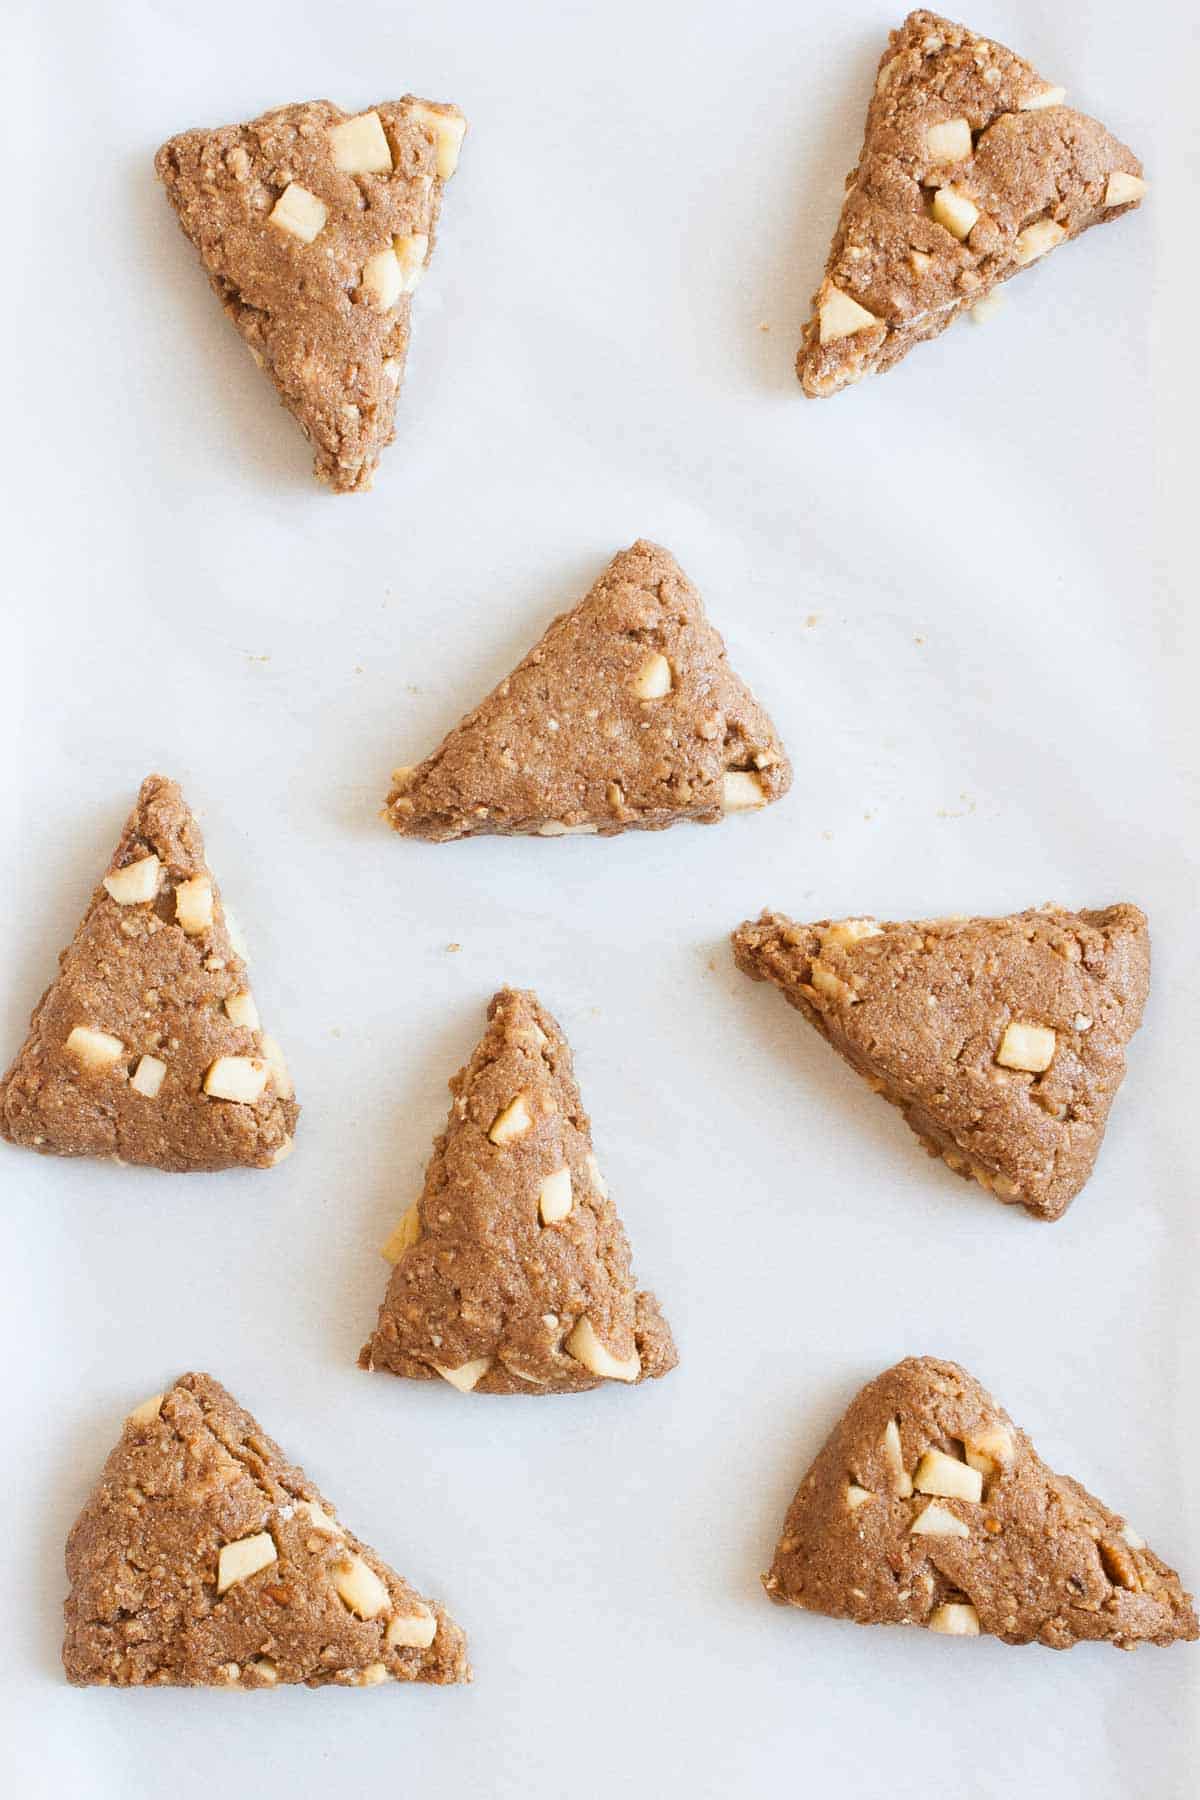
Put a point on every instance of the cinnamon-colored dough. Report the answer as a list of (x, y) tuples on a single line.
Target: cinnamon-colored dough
[(1039, 1558), (566, 742), (920, 1009), (336, 358), (135, 974), (144, 1563), (486, 1284), (1026, 162)]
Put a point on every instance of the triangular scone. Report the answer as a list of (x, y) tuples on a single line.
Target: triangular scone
[(928, 1506), (1001, 1040), (625, 715), (512, 1271), (315, 227), (971, 169), (205, 1559), (146, 1046)]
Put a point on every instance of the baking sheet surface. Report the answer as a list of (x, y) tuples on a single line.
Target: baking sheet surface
[(959, 592)]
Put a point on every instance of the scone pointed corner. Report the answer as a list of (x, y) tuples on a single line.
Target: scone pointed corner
[(205, 1559), (315, 226), (625, 715), (1002, 1041), (147, 1046), (971, 169), (512, 1272), (927, 1506)]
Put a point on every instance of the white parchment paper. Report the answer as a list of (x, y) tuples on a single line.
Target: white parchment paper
[(962, 593)]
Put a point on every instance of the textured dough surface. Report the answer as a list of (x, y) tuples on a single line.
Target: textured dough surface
[(488, 1280), (133, 973), (1027, 161), (336, 358), (143, 1562), (921, 1009), (565, 743), (1038, 1557)]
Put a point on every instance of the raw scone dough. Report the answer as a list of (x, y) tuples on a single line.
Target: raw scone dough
[(512, 1272), (971, 169), (1001, 1040), (205, 1559), (928, 1506), (315, 227), (147, 1045), (625, 715)]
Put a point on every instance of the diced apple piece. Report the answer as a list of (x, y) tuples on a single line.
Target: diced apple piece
[(653, 679), (554, 1196), (598, 1181), (956, 211), (96, 1050), (411, 254), (1123, 189), (299, 213), (359, 1587), (241, 1010), (1036, 239), (240, 1078), (1027, 1047), (937, 1473), (849, 931), (136, 883), (237, 1562), (277, 1065), (832, 986), (511, 1122), (955, 1618), (840, 316), (468, 1375), (382, 279), (948, 142), (360, 146), (989, 1450), (406, 1234), (893, 1454), (194, 904), (147, 1078), (939, 1521), (585, 1346), (741, 791), (147, 1411), (412, 1631), (448, 129)]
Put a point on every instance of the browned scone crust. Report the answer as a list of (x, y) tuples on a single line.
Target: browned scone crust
[(486, 1285), (1029, 161), (335, 355), (133, 973), (143, 1563), (920, 1009), (565, 743), (1040, 1559)]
